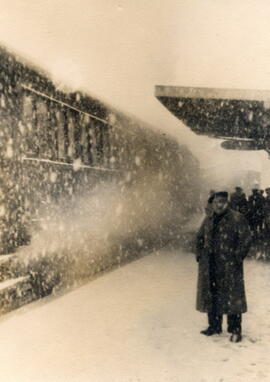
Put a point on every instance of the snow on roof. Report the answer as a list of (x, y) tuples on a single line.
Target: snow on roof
[(211, 93)]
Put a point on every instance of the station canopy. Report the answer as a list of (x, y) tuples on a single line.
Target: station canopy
[(240, 117)]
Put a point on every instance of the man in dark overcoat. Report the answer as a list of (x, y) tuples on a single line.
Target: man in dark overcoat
[(222, 244)]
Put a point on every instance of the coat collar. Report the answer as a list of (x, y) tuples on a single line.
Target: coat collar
[(226, 216)]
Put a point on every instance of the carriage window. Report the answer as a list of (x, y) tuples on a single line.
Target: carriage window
[(3, 101), (27, 106), (66, 136), (114, 153), (106, 145), (93, 142), (42, 128), (71, 132), (84, 138), (88, 141), (99, 142), (83, 144), (42, 110), (31, 137), (77, 136), (60, 134), (52, 131), (26, 123)]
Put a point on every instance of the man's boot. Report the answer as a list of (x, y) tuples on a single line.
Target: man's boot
[(235, 327), (236, 337), (210, 331)]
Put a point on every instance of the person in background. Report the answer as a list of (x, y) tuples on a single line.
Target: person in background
[(222, 243), (256, 205), (238, 201), (267, 210), (209, 208)]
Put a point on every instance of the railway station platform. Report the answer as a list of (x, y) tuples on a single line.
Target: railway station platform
[(136, 323)]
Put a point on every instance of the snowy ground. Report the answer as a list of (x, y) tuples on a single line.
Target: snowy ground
[(137, 323)]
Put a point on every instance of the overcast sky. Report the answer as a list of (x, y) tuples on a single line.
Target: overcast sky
[(120, 49)]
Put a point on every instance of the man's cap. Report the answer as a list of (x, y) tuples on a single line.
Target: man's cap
[(222, 194)]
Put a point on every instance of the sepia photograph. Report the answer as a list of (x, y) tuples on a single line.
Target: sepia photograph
[(134, 191)]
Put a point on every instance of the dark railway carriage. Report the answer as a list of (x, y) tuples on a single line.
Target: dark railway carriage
[(55, 146)]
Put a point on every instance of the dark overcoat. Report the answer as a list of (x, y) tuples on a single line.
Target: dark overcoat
[(230, 247)]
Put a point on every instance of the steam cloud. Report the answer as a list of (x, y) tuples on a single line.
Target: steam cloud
[(114, 222)]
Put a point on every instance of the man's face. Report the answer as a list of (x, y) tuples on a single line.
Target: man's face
[(220, 204)]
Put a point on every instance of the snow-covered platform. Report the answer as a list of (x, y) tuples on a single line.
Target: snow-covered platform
[(136, 323)]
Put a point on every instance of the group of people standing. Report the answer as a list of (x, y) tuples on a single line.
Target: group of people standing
[(255, 208)]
